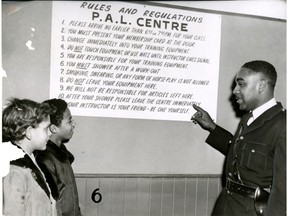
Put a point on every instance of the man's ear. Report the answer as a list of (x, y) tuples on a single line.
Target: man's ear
[(262, 85), (53, 128)]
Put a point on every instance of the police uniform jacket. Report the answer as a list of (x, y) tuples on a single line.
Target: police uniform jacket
[(261, 154)]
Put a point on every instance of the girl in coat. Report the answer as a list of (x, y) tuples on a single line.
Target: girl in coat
[(25, 128)]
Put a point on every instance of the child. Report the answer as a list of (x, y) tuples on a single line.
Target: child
[(56, 160), (25, 125)]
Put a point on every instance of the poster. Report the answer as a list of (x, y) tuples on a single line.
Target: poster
[(128, 60)]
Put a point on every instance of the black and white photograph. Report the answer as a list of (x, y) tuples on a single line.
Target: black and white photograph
[(143, 108)]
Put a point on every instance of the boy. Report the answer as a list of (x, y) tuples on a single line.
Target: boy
[(56, 160)]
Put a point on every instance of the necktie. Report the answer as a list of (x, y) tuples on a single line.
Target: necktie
[(245, 119)]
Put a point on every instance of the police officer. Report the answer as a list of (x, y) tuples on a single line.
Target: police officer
[(255, 167)]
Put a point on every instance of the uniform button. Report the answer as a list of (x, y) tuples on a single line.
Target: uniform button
[(230, 141), (253, 151), (230, 174), (241, 137)]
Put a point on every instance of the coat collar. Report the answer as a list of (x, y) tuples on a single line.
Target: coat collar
[(266, 116), (61, 153), (26, 162)]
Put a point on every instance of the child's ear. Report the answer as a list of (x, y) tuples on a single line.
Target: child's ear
[(28, 133), (53, 128)]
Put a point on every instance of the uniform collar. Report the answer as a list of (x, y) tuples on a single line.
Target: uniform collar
[(266, 116), (260, 110)]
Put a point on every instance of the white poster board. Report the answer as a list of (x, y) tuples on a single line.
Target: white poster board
[(127, 60)]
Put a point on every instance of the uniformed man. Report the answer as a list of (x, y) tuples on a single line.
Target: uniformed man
[(255, 167)]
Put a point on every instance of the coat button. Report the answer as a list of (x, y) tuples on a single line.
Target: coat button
[(241, 137)]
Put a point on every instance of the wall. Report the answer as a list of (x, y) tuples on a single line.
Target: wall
[(125, 146), (139, 195), (126, 158)]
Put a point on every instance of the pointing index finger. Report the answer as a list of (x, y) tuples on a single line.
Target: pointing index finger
[(199, 109)]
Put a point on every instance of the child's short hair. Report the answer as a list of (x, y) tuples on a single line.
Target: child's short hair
[(60, 106), (19, 114)]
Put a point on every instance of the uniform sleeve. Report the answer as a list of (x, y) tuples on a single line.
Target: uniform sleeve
[(15, 194), (219, 139), (277, 199)]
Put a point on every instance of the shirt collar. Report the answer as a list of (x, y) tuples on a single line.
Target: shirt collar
[(259, 110)]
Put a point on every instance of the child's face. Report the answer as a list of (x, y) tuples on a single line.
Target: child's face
[(40, 135), (66, 129)]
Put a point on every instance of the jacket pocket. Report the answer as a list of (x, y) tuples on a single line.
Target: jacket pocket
[(254, 156)]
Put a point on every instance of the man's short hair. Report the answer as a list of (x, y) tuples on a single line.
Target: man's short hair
[(264, 67)]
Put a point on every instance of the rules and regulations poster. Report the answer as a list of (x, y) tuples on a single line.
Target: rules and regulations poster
[(128, 60)]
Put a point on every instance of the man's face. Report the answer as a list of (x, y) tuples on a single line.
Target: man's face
[(66, 129), (247, 89)]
